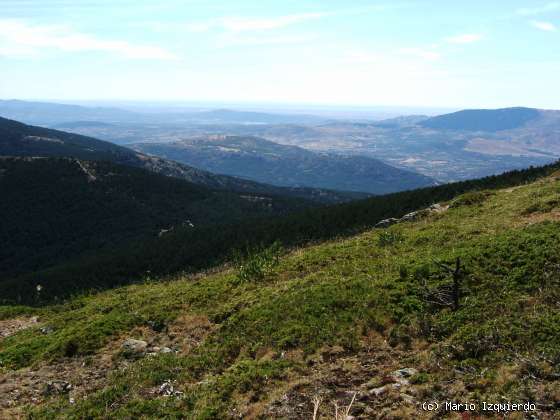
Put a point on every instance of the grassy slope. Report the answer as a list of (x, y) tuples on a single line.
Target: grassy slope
[(266, 336)]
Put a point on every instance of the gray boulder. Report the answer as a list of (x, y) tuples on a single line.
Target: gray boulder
[(387, 222), (132, 346)]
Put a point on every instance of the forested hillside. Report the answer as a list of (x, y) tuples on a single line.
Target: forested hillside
[(288, 166), (192, 249), (55, 209)]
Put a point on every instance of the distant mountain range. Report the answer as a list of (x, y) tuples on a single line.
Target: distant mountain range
[(264, 161), (457, 146), (490, 120), (58, 115), (17, 139)]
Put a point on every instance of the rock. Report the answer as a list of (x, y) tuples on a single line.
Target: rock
[(135, 346), (401, 376), (157, 326), (165, 350), (405, 373), (410, 217), (57, 387), (437, 208), (46, 330), (387, 222), (168, 390), (164, 231), (379, 391)]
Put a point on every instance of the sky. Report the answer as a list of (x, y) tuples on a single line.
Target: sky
[(427, 53)]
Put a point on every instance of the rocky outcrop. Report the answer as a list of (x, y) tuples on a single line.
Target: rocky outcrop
[(413, 216), (387, 222)]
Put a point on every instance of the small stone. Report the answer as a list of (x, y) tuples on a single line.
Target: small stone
[(165, 350), (57, 387), (401, 376), (386, 222), (379, 391), (46, 330), (405, 373), (135, 346), (167, 389)]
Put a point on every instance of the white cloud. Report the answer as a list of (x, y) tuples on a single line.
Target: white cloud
[(464, 39), (421, 53), (533, 11), (242, 24), (544, 26), (20, 39)]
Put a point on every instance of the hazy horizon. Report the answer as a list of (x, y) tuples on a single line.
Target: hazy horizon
[(333, 110)]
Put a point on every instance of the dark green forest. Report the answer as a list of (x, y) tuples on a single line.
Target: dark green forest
[(192, 249), (55, 209)]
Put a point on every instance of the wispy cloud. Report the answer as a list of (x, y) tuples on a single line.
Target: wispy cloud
[(464, 39), (544, 26), (244, 24), (21, 39), (533, 11)]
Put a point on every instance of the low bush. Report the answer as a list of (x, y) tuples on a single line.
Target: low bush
[(471, 198), (388, 238), (257, 263)]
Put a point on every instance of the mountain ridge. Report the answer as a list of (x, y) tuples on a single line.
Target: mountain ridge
[(491, 120), (19, 139), (262, 160), (47, 113)]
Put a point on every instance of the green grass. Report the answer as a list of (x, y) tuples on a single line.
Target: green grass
[(331, 294)]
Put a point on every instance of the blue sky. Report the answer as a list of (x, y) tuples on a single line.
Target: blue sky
[(436, 53)]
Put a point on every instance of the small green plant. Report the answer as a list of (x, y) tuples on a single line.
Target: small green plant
[(420, 378), (256, 263), (388, 238), (543, 206)]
